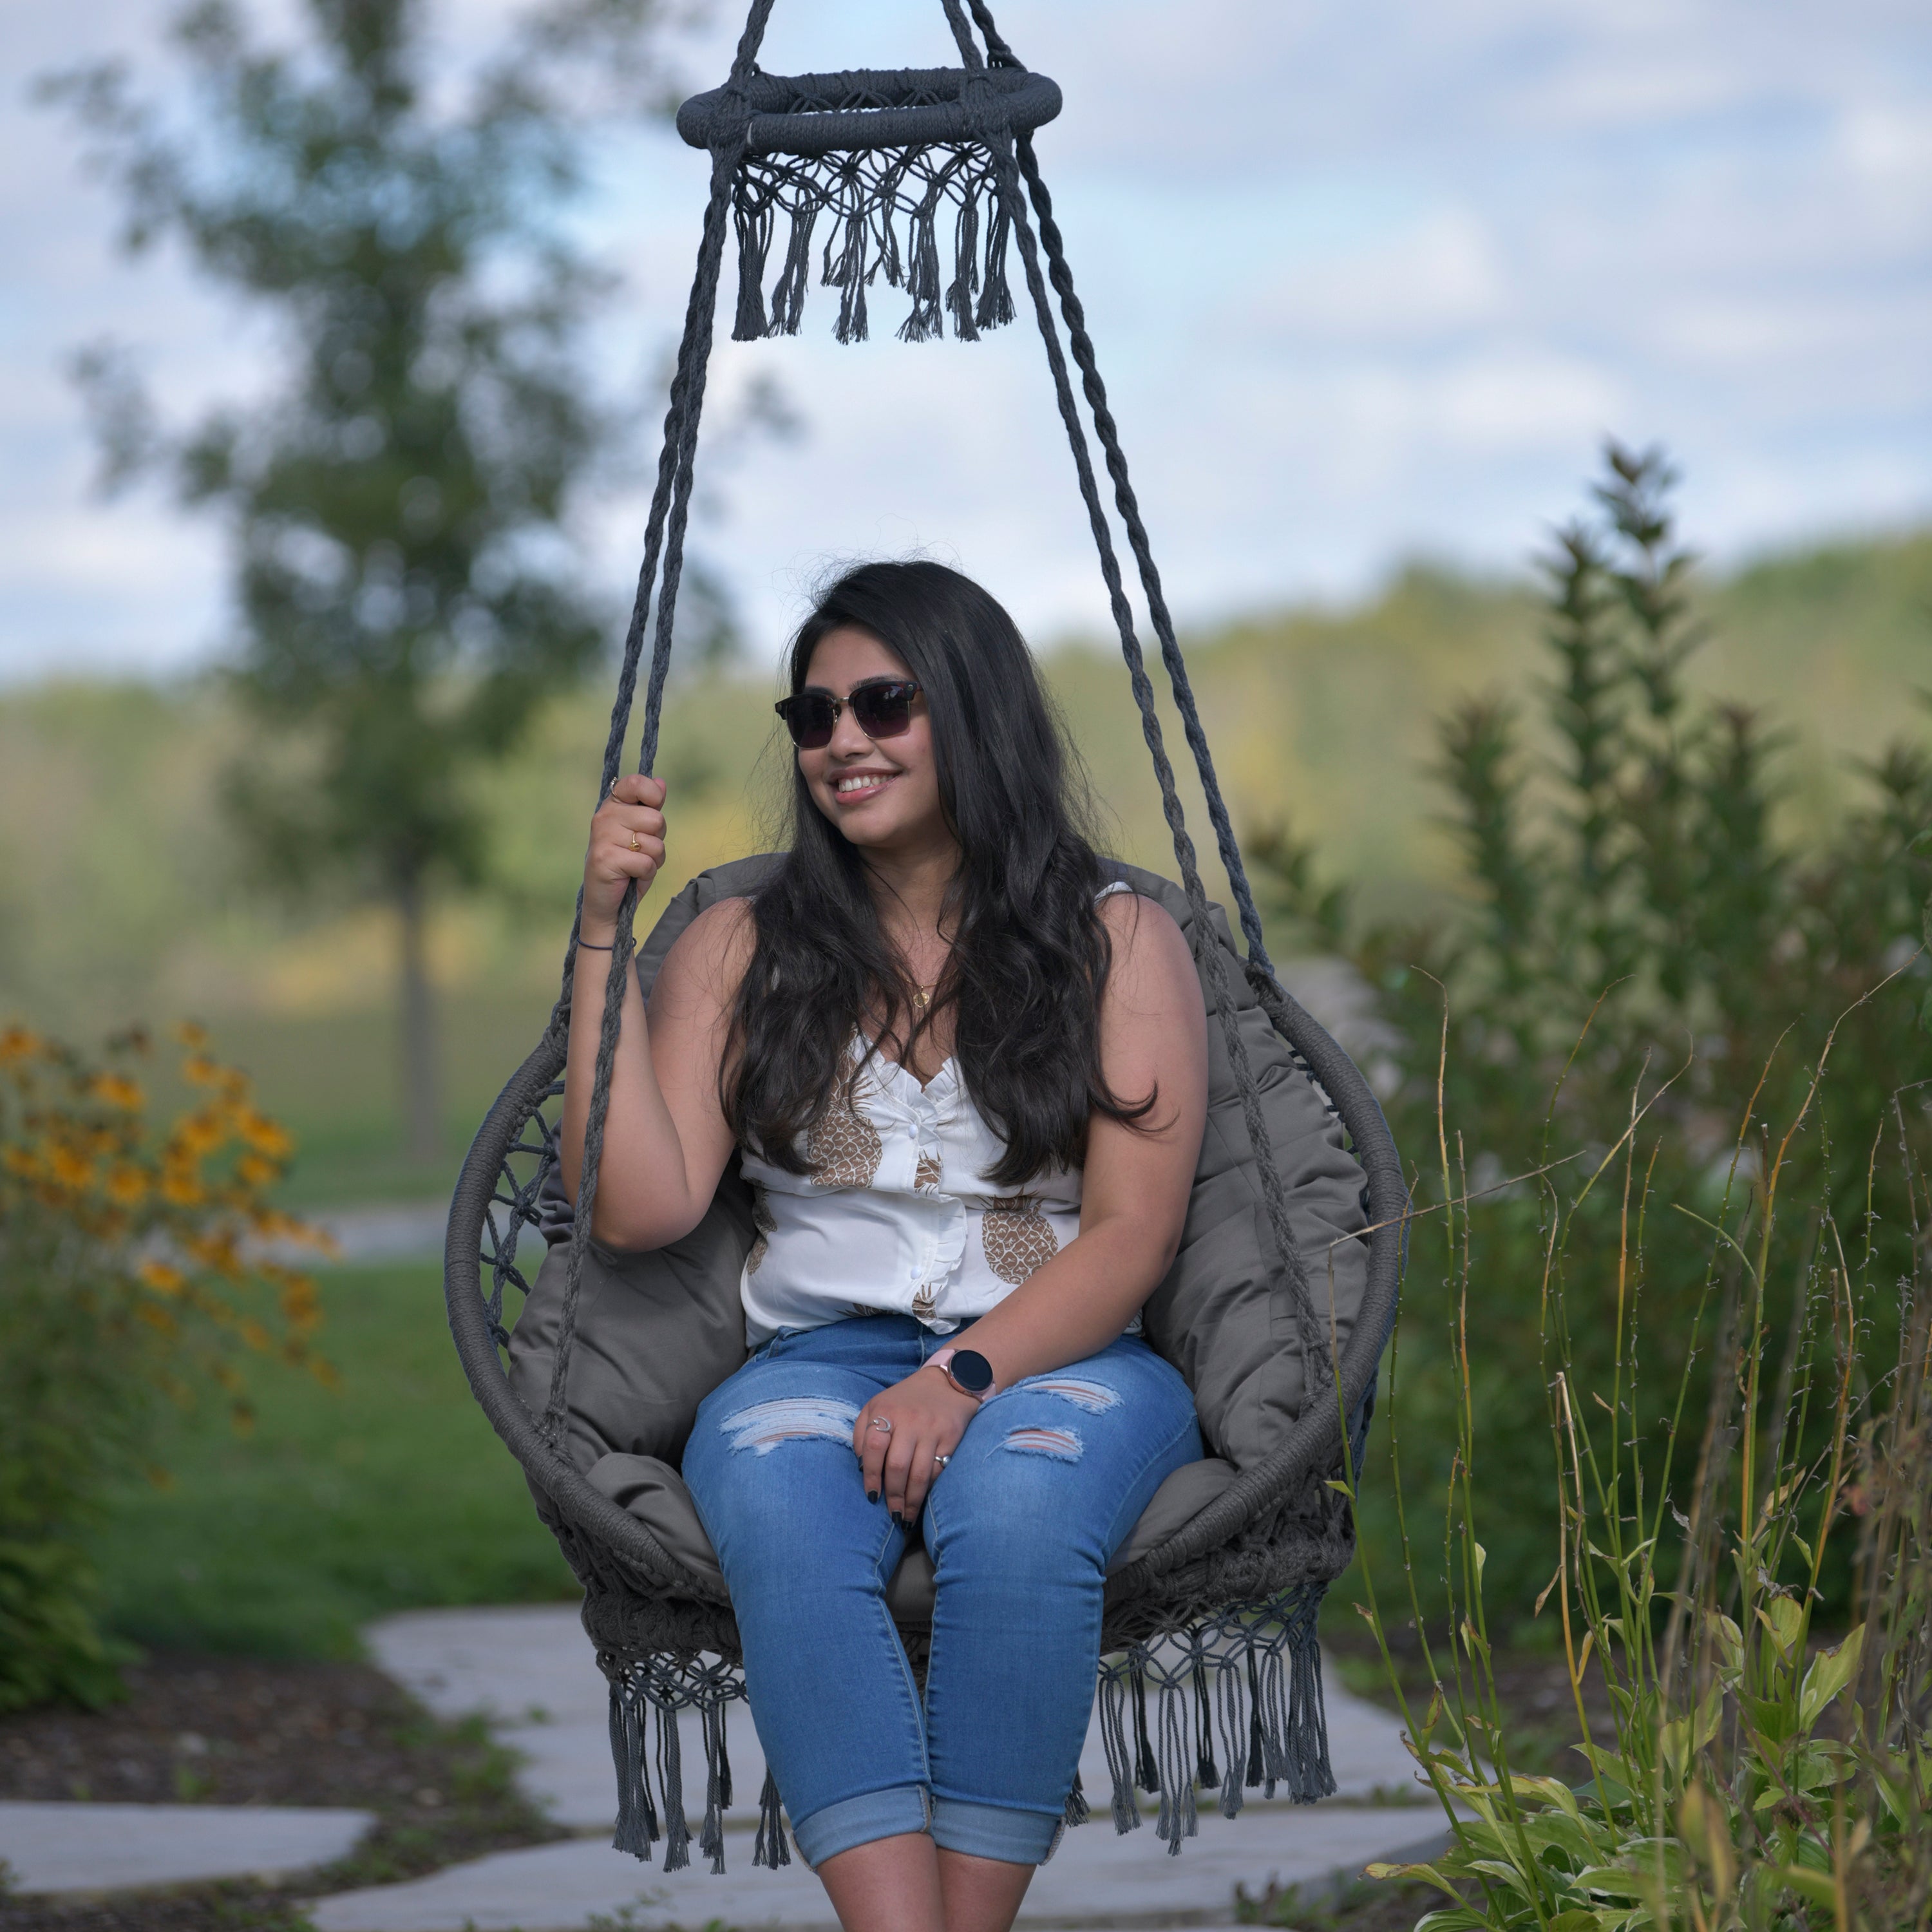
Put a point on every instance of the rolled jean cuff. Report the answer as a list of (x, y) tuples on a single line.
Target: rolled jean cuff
[(993, 1832), (889, 1813)]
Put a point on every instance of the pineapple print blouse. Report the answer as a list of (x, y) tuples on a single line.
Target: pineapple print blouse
[(895, 1216)]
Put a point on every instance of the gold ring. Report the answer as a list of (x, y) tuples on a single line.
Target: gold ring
[(634, 846)]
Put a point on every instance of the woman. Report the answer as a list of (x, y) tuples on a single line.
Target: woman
[(965, 1074)]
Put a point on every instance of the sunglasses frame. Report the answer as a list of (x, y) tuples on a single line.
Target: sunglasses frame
[(784, 708)]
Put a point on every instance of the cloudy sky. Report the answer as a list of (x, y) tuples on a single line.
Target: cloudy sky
[(1367, 281)]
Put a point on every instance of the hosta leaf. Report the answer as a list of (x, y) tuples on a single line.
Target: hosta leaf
[(1614, 1881), (1817, 1888), (1829, 1673), (1452, 1918), (1380, 1870), (1785, 1621), (1710, 1715)]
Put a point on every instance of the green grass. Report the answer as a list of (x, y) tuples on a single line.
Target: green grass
[(388, 1492)]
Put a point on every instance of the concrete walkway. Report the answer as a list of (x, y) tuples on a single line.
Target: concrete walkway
[(51, 1847), (531, 1670)]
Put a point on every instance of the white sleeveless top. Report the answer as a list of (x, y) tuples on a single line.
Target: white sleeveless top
[(896, 1216)]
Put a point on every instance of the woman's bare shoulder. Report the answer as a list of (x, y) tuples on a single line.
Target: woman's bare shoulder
[(1152, 967), (1136, 923)]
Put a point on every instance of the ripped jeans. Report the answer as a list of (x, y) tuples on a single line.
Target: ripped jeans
[(1045, 1485)]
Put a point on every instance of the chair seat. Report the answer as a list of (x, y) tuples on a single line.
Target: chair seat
[(655, 1494)]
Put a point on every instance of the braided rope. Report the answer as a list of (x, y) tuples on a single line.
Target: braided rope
[(1274, 1194), (674, 481), (1014, 163)]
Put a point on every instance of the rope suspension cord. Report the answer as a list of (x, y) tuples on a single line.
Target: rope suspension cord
[(1222, 1607), (997, 136), (989, 120), (673, 485)]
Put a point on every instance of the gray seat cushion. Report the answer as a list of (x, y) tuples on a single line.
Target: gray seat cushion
[(656, 1332)]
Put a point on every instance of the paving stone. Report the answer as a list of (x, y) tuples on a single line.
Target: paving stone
[(1094, 1876), (531, 1670), (76, 1847)]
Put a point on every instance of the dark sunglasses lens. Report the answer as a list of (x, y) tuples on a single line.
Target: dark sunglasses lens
[(883, 710), (811, 718)]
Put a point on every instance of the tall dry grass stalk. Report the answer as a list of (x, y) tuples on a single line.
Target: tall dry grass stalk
[(1763, 1777)]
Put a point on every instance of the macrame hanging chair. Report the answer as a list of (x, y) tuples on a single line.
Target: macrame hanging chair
[(1284, 1293)]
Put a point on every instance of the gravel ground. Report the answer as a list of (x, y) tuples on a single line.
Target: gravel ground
[(236, 1731)]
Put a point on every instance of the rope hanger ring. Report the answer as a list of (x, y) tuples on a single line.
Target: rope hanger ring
[(834, 113)]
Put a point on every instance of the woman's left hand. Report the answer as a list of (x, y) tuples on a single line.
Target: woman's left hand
[(928, 1416)]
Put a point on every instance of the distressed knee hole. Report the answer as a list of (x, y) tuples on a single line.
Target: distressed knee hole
[(795, 1418), (1095, 1398), (1063, 1445)]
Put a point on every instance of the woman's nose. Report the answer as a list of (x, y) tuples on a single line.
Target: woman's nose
[(847, 740)]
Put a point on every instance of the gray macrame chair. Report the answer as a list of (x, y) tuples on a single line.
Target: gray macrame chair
[(1213, 1600)]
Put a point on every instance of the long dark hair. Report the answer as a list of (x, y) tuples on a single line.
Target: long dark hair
[(1030, 954)]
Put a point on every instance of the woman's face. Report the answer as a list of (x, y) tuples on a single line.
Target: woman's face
[(882, 793)]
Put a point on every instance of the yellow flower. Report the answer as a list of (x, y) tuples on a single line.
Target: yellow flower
[(252, 1171), (191, 1033), (201, 1069), (162, 1278), (68, 1167), (217, 1252), (198, 1134), (257, 1337), (266, 1136), (17, 1043), (20, 1160), (180, 1187), (126, 1186), (300, 1308), (118, 1091)]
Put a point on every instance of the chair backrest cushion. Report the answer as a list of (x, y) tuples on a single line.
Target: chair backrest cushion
[(657, 1332)]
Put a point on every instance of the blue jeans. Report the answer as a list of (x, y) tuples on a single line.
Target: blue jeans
[(1045, 1485)]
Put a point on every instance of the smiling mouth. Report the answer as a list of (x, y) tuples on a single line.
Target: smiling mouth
[(856, 787)]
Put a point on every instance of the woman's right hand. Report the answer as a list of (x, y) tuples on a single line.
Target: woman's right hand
[(627, 842)]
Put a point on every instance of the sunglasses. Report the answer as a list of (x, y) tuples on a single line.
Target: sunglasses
[(881, 708)]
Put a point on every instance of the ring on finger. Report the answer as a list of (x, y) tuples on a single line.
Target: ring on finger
[(635, 847), (883, 1423), (940, 1462)]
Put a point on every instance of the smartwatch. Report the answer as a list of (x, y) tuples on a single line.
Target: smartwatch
[(966, 1369)]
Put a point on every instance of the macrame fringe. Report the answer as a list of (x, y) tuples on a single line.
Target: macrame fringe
[(772, 1851), (871, 198), (1242, 1691), (1253, 1680), (657, 1689)]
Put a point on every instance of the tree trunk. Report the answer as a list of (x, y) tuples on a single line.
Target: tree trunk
[(421, 1111)]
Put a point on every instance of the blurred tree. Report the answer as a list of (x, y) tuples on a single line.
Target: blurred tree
[(400, 506)]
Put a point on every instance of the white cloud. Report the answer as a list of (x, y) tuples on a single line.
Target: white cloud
[(1363, 280)]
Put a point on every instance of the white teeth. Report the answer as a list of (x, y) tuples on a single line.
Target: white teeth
[(865, 784)]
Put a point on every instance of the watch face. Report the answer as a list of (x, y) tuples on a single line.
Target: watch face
[(971, 1371)]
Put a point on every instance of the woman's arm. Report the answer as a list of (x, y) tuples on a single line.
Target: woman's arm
[(666, 1141), (1134, 1196)]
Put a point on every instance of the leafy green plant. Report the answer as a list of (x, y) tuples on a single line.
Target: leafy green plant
[(132, 1264), (1758, 1781), (1639, 919)]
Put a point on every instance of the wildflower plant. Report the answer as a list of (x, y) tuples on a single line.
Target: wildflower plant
[(1759, 1776), (140, 1264)]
